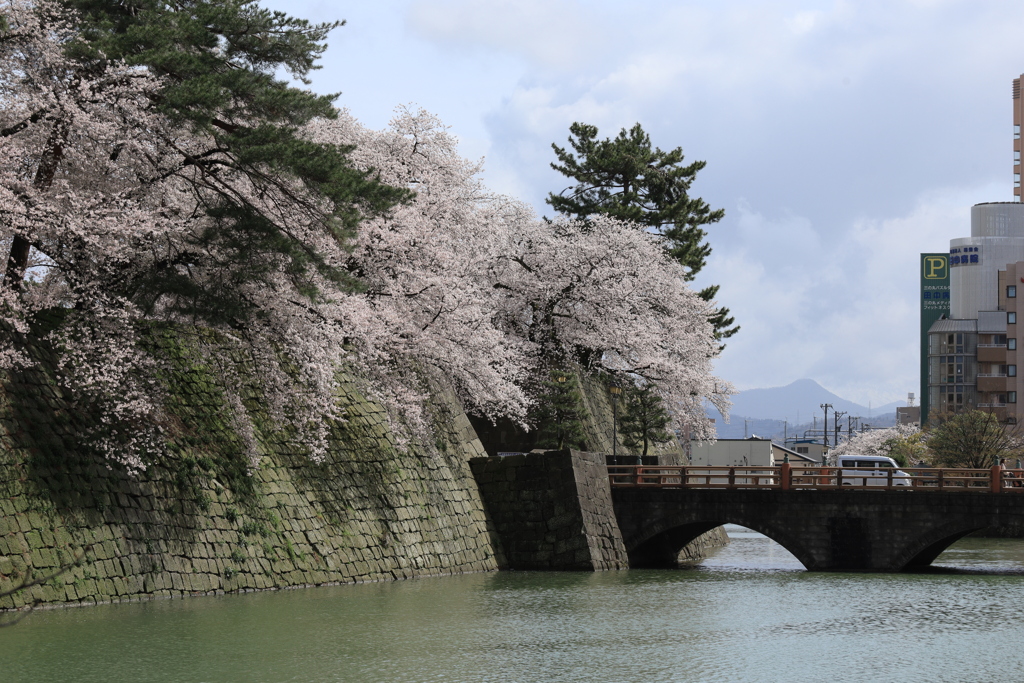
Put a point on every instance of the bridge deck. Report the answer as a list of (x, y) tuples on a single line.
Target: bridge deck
[(912, 479)]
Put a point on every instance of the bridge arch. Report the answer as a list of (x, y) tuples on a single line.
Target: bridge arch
[(922, 550), (659, 544)]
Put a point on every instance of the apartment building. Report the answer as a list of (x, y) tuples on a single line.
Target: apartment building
[(972, 350)]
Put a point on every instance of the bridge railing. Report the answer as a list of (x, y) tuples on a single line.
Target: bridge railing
[(786, 477), (697, 477)]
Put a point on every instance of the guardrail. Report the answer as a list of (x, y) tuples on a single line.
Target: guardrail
[(786, 477)]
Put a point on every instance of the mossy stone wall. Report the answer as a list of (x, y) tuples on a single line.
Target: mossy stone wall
[(195, 522)]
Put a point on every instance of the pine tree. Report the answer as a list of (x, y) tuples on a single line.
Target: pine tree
[(645, 418), (559, 413), (217, 61), (626, 178)]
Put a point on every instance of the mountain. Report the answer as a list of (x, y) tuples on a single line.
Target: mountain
[(797, 402)]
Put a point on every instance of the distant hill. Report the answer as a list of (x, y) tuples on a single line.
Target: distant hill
[(762, 411), (803, 397)]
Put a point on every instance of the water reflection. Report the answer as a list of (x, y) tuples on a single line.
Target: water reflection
[(749, 613), (751, 551)]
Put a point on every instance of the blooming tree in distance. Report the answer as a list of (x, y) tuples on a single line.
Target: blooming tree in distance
[(904, 443)]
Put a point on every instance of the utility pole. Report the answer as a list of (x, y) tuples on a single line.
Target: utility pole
[(836, 414), (824, 430)]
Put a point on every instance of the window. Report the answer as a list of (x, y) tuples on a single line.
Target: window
[(1011, 318), (1011, 291), (1011, 343), (1011, 397), (1016, 156), (1016, 132), (802, 449), (1011, 370)]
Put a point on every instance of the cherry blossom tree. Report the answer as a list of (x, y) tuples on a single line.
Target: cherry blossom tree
[(904, 443), (476, 284), (214, 214), (141, 206)]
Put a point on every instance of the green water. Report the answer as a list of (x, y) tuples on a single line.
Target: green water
[(750, 613)]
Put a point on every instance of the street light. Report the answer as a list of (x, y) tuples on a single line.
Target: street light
[(615, 390)]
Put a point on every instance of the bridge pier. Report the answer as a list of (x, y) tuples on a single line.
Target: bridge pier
[(551, 511)]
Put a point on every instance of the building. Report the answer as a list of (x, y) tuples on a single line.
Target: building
[(1016, 137), (750, 452), (813, 449), (908, 415), (934, 306), (971, 354)]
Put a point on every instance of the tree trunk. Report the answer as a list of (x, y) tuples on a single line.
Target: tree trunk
[(17, 261)]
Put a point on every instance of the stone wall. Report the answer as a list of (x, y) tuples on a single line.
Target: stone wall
[(195, 522), (552, 511), (696, 551)]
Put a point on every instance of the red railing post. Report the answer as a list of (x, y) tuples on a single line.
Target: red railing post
[(785, 476), (997, 478)]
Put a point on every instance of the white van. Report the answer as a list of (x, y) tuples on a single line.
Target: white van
[(880, 467)]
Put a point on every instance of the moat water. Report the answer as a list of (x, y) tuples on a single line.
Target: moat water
[(748, 613)]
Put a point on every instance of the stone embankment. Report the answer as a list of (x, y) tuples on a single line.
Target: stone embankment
[(197, 523)]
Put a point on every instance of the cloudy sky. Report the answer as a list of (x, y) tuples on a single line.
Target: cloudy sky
[(842, 139)]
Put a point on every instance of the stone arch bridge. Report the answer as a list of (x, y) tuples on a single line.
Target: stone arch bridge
[(827, 530)]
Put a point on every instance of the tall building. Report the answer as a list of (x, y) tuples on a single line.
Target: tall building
[(934, 306), (972, 350), (1016, 137)]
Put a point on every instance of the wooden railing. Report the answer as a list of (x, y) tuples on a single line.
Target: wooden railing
[(786, 477)]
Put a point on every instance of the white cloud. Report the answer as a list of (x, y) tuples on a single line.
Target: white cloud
[(846, 315), (830, 128), (558, 34)]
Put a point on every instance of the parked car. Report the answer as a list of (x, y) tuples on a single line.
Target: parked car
[(872, 470)]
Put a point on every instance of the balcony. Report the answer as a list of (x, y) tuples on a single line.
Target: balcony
[(992, 353), (992, 383)]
